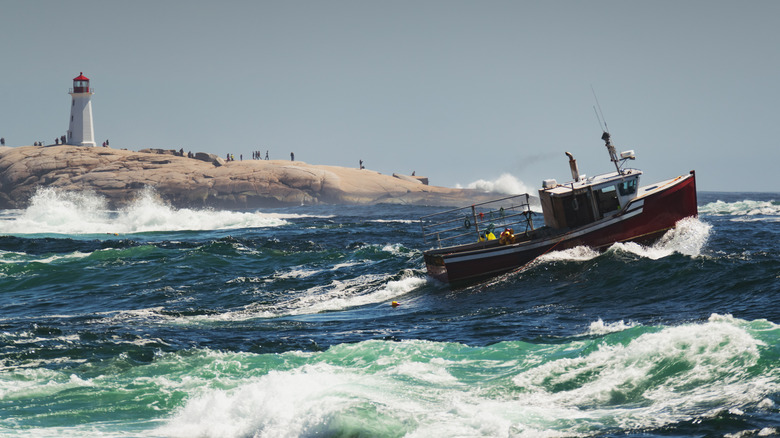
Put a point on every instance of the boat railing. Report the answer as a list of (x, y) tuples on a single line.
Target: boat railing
[(476, 222)]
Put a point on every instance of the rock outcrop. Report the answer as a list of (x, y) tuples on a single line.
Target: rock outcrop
[(205, 180)]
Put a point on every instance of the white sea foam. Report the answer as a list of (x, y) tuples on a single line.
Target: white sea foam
[(713, 355), (420, 389), (744, 211), (505, 184), (602, 328), (576, 254), (53, 211), (756, 219), (396, 249), (394, 221), (279, 404), (326, 399), (340, 295), (337, 295), (22, 258), (742, 208), (688, 237), (414, 389), (32, 382)]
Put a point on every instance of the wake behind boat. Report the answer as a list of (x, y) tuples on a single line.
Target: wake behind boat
[(595, 212)]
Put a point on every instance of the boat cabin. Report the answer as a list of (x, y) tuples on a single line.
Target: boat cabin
[(581, 202)]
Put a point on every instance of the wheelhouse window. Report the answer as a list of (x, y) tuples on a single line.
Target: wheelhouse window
[(607, 199), (627, 187)]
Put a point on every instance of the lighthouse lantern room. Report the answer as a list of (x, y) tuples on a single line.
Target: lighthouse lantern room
[(80, 130)]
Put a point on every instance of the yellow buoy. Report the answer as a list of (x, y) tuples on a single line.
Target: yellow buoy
[(394, 304)]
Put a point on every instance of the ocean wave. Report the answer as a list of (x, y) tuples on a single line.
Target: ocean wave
[(394, 221), (59, 212), (600, 327), (741, 208), (660, 376), (642, 379), (22, 258), (755, 219), (688, 237), (337, 295), (505, 184), (576, 254)]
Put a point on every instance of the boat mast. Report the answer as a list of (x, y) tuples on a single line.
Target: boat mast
[(612, 152), (605, 133)]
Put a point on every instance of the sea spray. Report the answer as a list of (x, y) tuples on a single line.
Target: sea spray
[(656, 377), (181, 333), (335, 296), (65, 212), (688, 237), (599, 328), (742, 208), (53, 211), (506, 184)]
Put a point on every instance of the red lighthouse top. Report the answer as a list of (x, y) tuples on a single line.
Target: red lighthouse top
[(81, 84)]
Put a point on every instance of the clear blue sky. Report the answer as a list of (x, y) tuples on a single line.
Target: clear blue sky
[(456, 90)]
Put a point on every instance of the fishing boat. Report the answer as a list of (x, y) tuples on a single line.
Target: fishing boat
[(491, 238)]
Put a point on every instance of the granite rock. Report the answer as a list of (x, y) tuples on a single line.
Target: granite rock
[(206, 180)]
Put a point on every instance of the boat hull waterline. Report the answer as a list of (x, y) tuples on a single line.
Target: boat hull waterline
[(644, 220)]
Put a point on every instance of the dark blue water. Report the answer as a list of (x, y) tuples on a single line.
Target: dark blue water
[(153, 321)]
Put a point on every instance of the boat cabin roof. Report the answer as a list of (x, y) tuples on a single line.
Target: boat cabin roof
[(595, 182), (582, 202)]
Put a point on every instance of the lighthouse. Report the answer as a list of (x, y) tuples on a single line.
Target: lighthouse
[(80, 131)]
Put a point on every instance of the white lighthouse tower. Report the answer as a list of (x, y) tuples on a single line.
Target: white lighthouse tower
[(80, 131)]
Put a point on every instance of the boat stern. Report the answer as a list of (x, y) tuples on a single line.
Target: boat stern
[(434, 264)]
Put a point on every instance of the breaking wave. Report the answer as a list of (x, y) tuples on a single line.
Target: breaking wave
[(505, 184), (649, 378), (339, 295), (745, 210), (688, 237), (61, 212)]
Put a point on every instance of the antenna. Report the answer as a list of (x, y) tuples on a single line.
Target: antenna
[(599, 112), (605, 135), (598, 118)]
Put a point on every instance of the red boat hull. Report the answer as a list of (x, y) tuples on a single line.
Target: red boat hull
[(643, 220)]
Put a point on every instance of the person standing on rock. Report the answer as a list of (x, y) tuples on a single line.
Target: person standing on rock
[(292, 156)]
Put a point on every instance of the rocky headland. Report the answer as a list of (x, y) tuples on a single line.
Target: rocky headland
[(205, 180)]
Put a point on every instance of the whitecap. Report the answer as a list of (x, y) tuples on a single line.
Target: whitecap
[(505, 184), (664, 376), (576, 254), (22, 258), (688, 237), (337, 295), (65, 212), (741, 208), (602, 328)]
